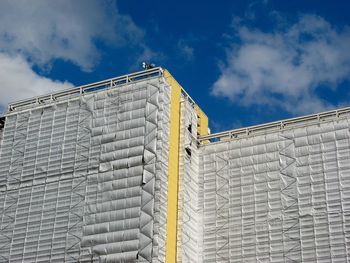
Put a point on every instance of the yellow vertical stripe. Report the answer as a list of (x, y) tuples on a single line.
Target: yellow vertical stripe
[(202, 125), (173, 165), (173, 168)]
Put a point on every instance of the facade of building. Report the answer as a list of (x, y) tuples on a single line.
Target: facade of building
[(124, 170)]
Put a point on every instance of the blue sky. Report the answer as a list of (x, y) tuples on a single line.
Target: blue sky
[(244, 62)]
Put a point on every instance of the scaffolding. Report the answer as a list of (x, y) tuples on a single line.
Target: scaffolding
[(278, 192), (84, 177)]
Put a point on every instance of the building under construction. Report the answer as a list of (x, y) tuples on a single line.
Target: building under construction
[(124, 170)]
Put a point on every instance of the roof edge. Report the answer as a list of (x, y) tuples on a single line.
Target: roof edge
[(276, 126), (80, 90)]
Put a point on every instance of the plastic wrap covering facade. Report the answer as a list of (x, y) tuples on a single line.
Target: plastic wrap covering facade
[(278, 197), (188, 239), (123, 170), (2, 123), (85, 179)]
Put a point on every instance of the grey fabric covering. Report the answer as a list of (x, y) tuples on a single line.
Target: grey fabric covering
[(189, 228), (86, 179), (278, 197)]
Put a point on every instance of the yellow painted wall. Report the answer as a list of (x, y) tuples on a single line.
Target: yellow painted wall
[(174, 161), (173, 169), (202, 126)]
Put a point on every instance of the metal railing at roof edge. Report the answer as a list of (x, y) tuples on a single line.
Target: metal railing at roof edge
[(275, 126), (104, 84)]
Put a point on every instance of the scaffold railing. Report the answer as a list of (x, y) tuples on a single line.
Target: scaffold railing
[(78, 91), (276, 126)]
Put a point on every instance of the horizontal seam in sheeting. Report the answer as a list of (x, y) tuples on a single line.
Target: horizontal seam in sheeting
[(109, 209), (127, 221), (135, 209), (45, 183)]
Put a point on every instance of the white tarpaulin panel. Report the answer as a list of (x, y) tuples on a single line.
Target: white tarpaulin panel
[(188, 242), (86, 179), (2, 122), (278, 197)]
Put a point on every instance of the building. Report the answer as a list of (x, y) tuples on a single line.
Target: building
[(124, 170)]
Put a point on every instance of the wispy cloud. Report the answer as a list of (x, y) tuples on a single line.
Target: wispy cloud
[(46, 30), (285, 68), (185, 49), (40, 32), (19, 81), (218, 126)]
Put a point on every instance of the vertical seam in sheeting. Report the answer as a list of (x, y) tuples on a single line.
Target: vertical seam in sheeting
[(180, 195), (173, 169)]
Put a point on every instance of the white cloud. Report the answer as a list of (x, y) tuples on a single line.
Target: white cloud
[(147, 55), (19, 81), (185, 49), (43, 31), (285, 68), (36, 33)]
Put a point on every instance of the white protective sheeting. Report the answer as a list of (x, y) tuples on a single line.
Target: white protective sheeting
[(278, 197), (86, 179), (1, 133), (188, 240)]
